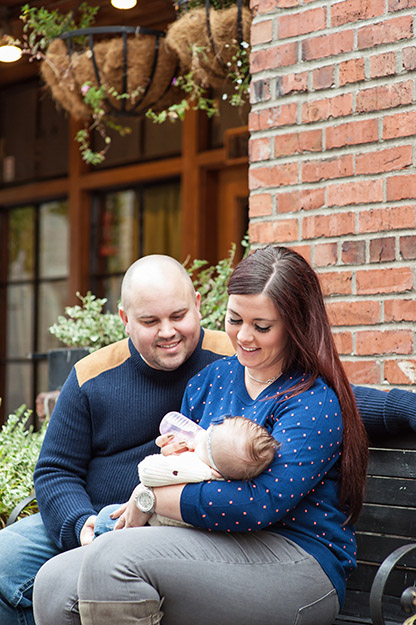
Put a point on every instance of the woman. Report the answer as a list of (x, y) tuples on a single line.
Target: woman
[(277, 549)]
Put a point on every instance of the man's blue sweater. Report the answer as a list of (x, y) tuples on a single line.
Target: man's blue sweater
[(105, 421)]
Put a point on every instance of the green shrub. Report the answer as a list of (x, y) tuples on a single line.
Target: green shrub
[(19, 451)]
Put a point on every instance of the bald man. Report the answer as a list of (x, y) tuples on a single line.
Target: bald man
[(106, 420)]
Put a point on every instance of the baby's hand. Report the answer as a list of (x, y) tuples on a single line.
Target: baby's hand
[(169, 446)]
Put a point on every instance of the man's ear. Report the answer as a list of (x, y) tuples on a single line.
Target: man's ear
[(124, 319), (198, 303)]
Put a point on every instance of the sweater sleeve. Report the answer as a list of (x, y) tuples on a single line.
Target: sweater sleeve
[(61, 471), (386, 412)]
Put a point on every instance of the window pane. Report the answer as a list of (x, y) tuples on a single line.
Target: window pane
[(53, 240), (21, 243), (52, 299), (118, 243), (18, 386), (162, 222), (19, 335)]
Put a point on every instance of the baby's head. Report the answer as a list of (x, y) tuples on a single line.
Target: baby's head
[(239, 448)]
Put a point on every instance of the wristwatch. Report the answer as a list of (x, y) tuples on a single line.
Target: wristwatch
[(145, 499)]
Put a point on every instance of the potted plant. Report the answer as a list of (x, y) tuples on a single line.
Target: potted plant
[(100, 74), (211, 42)]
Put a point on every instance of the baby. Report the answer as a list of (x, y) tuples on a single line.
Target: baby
[(232, 448)]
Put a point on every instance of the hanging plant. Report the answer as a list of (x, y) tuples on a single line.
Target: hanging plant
[(99, 74), (211, 41)]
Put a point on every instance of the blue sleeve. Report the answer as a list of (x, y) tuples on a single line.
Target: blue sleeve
[(386, 412), (309, 430), (61, 471)]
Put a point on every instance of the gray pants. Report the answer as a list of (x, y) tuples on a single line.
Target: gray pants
[(203, 578)]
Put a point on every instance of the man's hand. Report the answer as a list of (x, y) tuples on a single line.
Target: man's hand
[(87, 533), (129, 515)]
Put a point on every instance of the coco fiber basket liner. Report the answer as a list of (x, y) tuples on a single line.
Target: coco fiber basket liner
[(136, 62), (206, 41)]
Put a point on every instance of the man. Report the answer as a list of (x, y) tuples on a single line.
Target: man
[(107, 417), (106, 420)]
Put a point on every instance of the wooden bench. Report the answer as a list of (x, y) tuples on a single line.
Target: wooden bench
[(387, 523)]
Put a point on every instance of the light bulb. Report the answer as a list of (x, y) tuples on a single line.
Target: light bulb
[(9, 53), (123, 4)]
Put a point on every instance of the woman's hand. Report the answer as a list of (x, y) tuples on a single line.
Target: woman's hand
[(169, 446), (129, 515)]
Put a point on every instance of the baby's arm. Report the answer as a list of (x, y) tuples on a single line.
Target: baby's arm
[(160, 470)]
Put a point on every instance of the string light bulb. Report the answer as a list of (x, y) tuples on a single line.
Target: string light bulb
[(9, 53), (123, 4)]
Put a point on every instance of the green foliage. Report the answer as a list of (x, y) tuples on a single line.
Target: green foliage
[(87, 325), (211, 283), (41, 26), (19, 451)]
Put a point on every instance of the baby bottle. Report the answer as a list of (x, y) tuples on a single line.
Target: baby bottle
[(180, 426)]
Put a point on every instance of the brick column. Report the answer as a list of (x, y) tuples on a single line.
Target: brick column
[(332, 166)]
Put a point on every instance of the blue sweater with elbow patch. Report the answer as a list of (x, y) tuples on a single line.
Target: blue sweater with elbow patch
[(105, 421)]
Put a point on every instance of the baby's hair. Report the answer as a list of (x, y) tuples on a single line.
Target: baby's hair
[(247, 452)]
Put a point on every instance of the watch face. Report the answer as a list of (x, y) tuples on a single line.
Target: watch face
[(145, 500)]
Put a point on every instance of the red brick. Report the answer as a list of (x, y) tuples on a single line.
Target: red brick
[(273, 57), (336, 283), (384, 97), (259, 149), (262, 7), (369, 342), (325, 254), (328, 169), (298, 142), (362, 371), (261, 32), (303, 250), (280, 231), (401, 187), (399, 125), (384, 160), (323, 77), (260, 205), (259, 91), (383, 65), (337, 106), (408, 247), (400, 371), (409, 58), (390, 31), (295, 24), (361, 192), (389, 280), (343, 342), (333, 225), (274, 176), (382, 250), (292, 83), (352, 133), (300, 199), (353, 252), (354, 10), (399, 5), (273, 117), (324, 46), (400, 310), (354, 313), (351, 71)]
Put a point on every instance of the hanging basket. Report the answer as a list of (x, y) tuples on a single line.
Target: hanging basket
[(134, 66), (207, 40)]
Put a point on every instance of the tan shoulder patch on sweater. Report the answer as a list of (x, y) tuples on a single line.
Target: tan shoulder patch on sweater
[(218, 342), (102, 360)]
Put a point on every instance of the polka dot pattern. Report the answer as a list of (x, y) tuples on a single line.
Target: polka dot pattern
[(298, 494)]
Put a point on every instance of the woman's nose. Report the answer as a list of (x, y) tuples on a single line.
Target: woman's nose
[(245, 334)]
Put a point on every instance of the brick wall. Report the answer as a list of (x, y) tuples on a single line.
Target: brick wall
[(332, 166)]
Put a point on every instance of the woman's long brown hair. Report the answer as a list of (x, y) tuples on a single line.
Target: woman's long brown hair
[(293, 286)]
